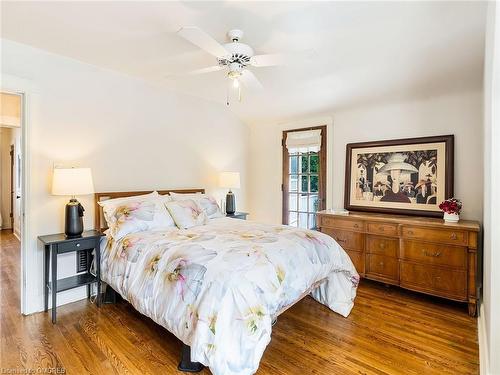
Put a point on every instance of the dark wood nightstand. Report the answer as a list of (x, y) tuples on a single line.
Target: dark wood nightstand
[(55, 244), (238, 215)]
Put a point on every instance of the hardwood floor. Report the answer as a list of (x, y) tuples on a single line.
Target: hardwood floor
[(390, 331)]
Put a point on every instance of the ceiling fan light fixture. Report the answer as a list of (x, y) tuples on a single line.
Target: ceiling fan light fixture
[(234, 74)]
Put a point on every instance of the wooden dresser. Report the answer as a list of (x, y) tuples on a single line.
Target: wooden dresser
[(418, 253)]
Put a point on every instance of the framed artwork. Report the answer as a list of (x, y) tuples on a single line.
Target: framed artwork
[(401, 176)]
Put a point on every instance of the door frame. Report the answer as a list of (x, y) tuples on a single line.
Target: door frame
[(25, 88), (12, 193), (322, 175)]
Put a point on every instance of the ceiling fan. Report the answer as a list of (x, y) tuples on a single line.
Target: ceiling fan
[(234, 56)]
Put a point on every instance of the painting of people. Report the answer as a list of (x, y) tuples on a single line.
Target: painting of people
[(402, 176)]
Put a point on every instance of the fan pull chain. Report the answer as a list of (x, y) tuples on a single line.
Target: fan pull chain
[(227, 93), (239, 93)]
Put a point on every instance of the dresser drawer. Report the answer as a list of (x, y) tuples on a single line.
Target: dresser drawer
[(382, 266), (434, 280), (449, 236), (384, 229), (76, 245), (382, 245), (435, 254), (358, 259), (346, 239), (340, 222)]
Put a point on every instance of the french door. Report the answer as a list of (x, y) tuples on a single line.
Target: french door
[(304, 179)]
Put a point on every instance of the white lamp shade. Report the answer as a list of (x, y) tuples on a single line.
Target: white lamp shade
[(72, 181), (229, 180)]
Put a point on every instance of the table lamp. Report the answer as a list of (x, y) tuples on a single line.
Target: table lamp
[(72, 182), (230, 180)]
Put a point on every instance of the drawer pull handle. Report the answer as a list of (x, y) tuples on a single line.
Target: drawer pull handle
[(356, 226), (427, 254), (410, 232), (381, 229), (453, 236), (77, 245), (339, 240), (382, 245), (381, 264)]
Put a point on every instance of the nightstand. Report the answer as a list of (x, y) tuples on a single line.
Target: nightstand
[(56, 244), (238, 215)]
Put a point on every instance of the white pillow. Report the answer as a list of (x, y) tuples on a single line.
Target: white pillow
[(186, 213), (206, 202), (109, 205), (136, 213), (162, 218)]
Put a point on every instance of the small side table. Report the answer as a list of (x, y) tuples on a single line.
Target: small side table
[(55, 244), (238, 215)]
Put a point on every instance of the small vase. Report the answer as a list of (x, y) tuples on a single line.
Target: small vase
[(451, 218)]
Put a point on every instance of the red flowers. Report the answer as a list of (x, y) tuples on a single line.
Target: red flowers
[(451, 206)]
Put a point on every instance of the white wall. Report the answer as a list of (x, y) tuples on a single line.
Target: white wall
[(489, 321), (133, 135), (459, 114)]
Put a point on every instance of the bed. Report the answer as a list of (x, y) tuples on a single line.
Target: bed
[(218, 287)]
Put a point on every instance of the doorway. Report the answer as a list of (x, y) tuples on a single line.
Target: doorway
[(304, 175), (11, 184), (10, 161)]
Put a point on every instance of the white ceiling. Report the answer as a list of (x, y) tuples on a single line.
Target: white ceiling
[(355, 52)]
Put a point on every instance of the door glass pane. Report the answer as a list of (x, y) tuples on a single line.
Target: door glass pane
[(302, 178), (294, 162), (293, 185), (313, 203), (292, 202), (304, 164), (302, 220), (303, 184), (303, 202), (312, 221), (314, 183), (314, 163)]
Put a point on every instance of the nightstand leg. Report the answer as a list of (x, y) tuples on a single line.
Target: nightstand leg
[(54, 283), (89, 254), (46, 264), (98, 274)]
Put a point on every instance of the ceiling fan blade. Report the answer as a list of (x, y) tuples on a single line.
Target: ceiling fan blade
[(250, 80), (268, 60), (210, 69), (201, 39)]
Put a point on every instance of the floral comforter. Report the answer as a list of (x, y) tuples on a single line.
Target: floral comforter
[(217, 287)]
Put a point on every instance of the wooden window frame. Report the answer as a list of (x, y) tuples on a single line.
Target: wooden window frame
[(286, 167)]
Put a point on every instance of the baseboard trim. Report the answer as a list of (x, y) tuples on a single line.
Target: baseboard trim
[(63, 298), (482, 338)]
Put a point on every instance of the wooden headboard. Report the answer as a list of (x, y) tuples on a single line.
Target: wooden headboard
[(100, 222)]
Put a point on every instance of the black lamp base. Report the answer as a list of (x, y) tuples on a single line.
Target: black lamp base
[(74, 219), (230, 203)]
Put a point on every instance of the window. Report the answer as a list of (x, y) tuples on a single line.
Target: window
[(304, 151)]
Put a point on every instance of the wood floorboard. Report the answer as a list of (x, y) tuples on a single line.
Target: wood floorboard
[(389, 331)]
